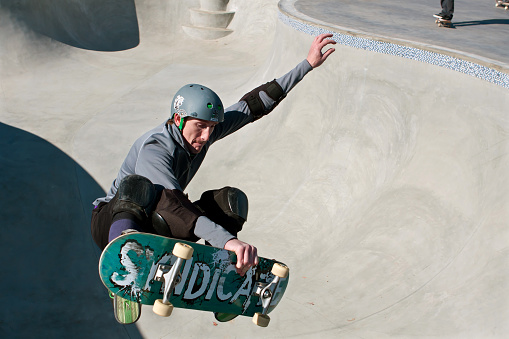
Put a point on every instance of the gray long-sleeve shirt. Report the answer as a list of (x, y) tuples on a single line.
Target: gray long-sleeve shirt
[(161, 156)]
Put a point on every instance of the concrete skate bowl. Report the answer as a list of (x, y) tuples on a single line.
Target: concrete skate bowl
[(390, 210)]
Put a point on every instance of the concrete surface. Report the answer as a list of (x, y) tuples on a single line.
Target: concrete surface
[(381, 181)]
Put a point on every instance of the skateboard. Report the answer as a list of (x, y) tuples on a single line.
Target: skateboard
[(171, 273), (126, 311), (503, 4), (443, 23)]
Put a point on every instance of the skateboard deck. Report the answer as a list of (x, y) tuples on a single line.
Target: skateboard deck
[(152, 269)]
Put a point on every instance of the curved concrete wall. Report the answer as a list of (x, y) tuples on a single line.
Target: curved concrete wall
[(382, 185)]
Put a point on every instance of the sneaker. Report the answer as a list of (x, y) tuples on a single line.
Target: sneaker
[(443, 16)]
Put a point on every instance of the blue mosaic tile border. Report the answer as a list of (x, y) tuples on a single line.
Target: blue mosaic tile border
[(433, 58)]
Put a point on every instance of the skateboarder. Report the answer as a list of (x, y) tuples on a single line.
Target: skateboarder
[(447, 10), (147, 195)]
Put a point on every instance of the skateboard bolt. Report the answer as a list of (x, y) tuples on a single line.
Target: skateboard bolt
[(267, 294)]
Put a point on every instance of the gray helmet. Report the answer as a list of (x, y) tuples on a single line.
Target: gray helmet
[(197, 101)]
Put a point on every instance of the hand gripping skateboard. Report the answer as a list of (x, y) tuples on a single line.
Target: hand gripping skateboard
[(168, 273)]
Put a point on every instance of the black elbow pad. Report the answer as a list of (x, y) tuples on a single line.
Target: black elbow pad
[(255, 103)]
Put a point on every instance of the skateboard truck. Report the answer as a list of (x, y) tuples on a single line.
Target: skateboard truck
[(266, 293), (170, 276)]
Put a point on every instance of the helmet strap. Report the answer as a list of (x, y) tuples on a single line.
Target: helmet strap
[(181, 125)]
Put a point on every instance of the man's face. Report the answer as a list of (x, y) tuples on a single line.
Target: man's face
[(196, 133)]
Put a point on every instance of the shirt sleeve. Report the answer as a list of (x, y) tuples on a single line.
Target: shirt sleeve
[(292, 78), (208, 230), (238, 115)]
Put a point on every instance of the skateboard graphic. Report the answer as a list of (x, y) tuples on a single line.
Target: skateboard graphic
[(503, 4), (443, 23), (167, 273)]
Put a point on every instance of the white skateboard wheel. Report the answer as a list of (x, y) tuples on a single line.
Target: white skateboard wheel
[(261, 320), (162, 309), (280, 270), (183, 251)]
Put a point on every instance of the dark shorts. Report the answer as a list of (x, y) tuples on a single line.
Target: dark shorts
[(179, 213)]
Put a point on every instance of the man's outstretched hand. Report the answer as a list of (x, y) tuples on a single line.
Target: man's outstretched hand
[(315, 55), (247, 255)]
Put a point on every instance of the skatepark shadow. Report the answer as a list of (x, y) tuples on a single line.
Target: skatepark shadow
[(89, 24), (50, 280), (482, 22)]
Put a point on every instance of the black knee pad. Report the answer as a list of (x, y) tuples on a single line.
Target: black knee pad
[(227, 207), (160, 225), (234, 203), (136, 195)]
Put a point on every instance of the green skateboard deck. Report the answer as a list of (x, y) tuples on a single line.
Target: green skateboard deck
[(137, 267)]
